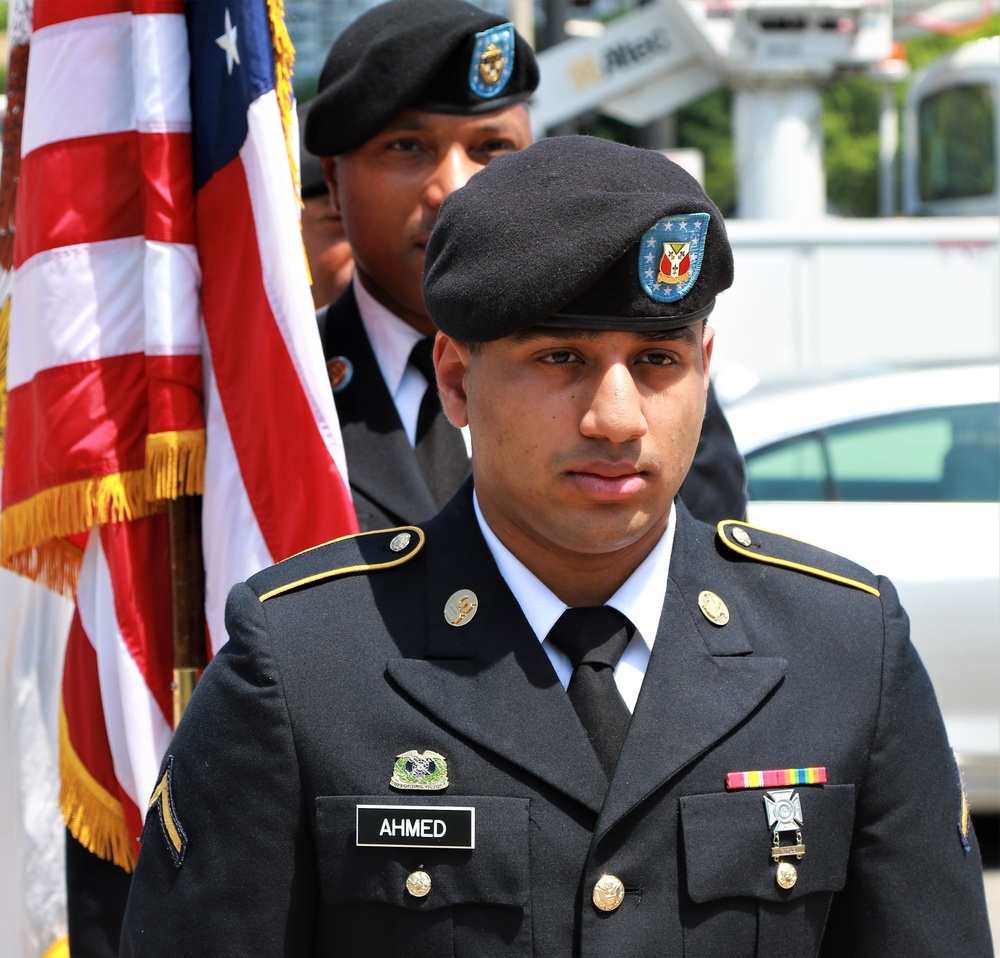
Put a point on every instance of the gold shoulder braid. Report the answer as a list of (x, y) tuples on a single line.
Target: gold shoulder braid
[(381, 549), (779, 550)]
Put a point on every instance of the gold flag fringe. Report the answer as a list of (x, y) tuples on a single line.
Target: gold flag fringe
[(93, 816), (55, 564), (4, 344), (27, 529), (175, 464), (284, 60), (58, 949)]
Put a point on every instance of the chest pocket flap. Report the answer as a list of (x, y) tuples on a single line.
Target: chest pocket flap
[(495, 872), (727, 844)]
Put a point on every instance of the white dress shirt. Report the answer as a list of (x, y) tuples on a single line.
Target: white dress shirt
[(640, 600), (392, 340)]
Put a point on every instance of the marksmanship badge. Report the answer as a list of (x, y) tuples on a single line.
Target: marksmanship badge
[(492, 61), (420, 771), (784, 814), (671, 254)]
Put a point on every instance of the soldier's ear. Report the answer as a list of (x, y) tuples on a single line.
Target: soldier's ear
[(451, 361), (329, 164)]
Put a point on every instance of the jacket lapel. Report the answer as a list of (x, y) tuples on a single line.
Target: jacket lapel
[(380, 461), (490, 680), (701, 682)]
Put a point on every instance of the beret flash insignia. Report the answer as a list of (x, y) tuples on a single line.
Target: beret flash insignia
[(492, 61), (671, 254)]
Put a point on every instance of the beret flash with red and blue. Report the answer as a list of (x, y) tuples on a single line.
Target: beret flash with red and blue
[(575, 232), (443, 56)]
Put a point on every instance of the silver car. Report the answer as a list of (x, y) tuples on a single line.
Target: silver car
[(899, 469)]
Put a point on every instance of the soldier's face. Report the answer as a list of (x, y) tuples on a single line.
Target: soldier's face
[(390, 189), (580, 440), (327, 250)]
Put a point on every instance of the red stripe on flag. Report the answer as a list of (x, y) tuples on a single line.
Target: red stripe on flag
[(84, 712), (83, 420), (292, 482), (158, 6), (78, 191), (138, 557), (168, 189), (176, 397), (48, 12)]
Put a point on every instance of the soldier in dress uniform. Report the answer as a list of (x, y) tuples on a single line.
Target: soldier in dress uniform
[(414, 98), (331, 263), (565, 718)]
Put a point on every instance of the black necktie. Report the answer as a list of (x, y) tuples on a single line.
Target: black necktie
[(594, 638), (440, 448)]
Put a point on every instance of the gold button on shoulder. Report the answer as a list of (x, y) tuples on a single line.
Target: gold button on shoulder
[(400, 541), (742, 536), (609, 892), (418, 884)]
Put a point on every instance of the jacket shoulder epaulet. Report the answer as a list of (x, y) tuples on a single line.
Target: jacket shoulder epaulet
[(363, 552), (779, 550)]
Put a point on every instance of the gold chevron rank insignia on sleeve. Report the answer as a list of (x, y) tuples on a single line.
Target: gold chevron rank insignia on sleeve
[(163, 800)]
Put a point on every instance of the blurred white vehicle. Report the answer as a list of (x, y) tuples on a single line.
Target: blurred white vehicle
[(899, 470)]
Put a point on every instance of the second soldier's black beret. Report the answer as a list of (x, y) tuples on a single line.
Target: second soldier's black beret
[(443, 56), (575, 232)]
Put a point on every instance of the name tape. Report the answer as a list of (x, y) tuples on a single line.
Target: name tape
[(416, 826)]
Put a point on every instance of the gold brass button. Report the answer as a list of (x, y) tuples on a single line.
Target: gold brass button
[(418, 884), (608, 892), (787, 875)]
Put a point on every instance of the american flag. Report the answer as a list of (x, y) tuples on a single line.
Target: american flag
[(162, 343)]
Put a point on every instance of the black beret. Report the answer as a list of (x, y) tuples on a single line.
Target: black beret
[(443, 56), (575, 232), (310, 168)]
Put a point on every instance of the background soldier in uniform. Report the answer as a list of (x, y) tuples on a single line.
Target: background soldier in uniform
[(414, 98), (564, 717)]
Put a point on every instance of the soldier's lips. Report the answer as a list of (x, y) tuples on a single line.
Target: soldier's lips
[(608, 483)]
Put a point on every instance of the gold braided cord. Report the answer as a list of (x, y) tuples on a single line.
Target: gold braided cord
[(284, 61)]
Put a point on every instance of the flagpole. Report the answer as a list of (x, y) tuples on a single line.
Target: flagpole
[(187, 582)]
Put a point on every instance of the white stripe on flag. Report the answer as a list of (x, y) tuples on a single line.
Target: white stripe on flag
[(282, 257), (95, 291), (234, 546), (162, 104), (95, 52), (170, 291), (137, 732)]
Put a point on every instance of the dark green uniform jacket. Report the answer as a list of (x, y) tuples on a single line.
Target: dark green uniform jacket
[(341, 659)]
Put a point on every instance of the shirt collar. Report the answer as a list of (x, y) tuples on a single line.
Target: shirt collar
[(640, 597), (392, 339)]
